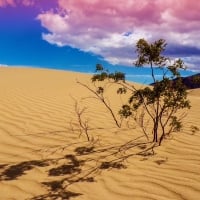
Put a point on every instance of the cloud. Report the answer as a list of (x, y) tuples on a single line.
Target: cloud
[(28, 2), (111, 28), (4, 3), (192, 62), (180, 50), (3, 65)]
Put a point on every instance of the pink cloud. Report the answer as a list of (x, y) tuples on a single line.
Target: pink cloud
[(99, 26), (13, 3), (28, 2), (4, 3), (111, 14), (186, 10)]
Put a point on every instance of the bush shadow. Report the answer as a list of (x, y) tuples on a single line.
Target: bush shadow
[(83, 165)]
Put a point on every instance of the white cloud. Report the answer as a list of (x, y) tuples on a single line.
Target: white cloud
[(111, 28), (54, 22), (3, 65)]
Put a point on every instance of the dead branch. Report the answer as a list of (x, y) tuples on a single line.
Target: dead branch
[(101, 98)]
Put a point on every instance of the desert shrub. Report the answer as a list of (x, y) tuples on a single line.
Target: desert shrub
[(161, 102)]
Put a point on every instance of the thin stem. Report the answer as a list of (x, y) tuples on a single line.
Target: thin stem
[(102, 99)]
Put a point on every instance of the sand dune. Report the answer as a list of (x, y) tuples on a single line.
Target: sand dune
[(43, 157)]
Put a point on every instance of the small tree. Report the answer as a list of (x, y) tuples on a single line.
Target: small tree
[(160, 102), (166, 97)]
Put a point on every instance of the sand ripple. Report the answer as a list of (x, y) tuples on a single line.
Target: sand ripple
[(37, 118)]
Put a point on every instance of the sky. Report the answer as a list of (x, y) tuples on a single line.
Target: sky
[(59, 33)]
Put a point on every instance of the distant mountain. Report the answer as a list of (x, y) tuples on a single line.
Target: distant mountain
[(191, 82)]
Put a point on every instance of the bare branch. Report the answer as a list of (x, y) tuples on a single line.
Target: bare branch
[(102, 99)]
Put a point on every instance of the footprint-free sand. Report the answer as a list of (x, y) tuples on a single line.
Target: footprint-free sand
[(44, 153)]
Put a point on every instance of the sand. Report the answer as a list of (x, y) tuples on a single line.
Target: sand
[(43, 154)]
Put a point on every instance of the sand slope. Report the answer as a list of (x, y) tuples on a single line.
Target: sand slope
[(39, 134)]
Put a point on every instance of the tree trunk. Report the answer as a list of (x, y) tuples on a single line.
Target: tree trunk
[(155, 130)]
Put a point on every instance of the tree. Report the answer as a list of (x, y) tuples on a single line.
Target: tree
[(165, 98), (159, 105)]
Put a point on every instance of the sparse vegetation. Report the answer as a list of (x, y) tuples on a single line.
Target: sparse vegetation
[(157, 108), (83, 123)]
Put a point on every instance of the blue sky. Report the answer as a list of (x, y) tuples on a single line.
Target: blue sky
[(72, 34), (21, 42)]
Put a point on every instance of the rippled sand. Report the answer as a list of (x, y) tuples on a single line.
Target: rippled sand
[(43, 154)]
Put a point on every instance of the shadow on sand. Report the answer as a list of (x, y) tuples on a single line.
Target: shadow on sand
[(83, 165)]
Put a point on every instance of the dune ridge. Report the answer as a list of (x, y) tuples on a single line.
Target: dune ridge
[(37, 119)]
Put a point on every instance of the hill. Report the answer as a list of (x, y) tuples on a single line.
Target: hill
[(191, 82)]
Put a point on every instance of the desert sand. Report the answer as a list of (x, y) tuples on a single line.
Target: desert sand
[(43, 154)]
